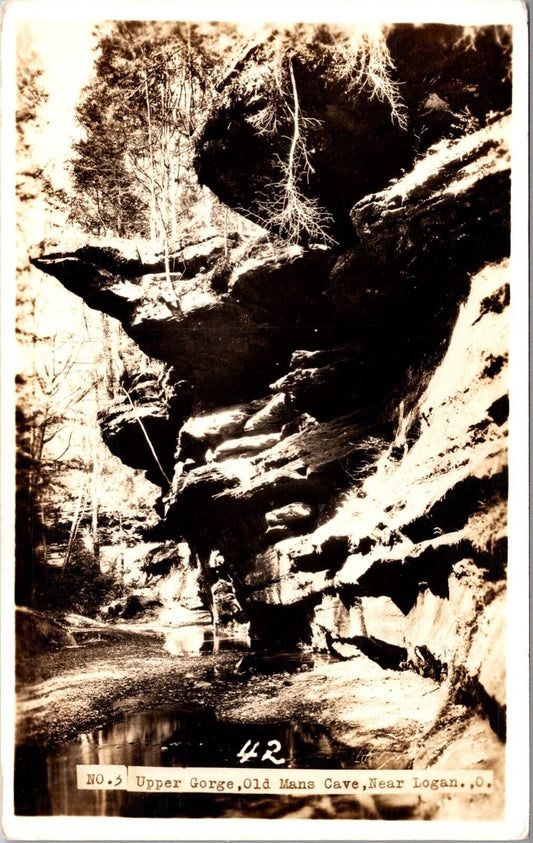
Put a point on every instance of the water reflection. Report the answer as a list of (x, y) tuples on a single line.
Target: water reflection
[(169, 737), (269, 664), (197, 640)]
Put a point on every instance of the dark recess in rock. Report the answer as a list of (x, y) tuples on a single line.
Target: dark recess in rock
[(452, 512), (494, 366), (144, 418), (497, 302), (401, 579), (282, 628), (499, 411), (125, 437), (494, 559), (331, 555), (470, 692), (388, 656)]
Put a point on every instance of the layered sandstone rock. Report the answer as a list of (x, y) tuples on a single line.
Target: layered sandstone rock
[(333, 425)]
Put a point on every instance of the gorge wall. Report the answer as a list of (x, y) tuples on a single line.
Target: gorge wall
[(330, 433)]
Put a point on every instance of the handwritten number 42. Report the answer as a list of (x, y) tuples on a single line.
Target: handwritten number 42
[(250, 751)]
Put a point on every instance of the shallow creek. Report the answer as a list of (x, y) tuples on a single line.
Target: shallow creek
[(183, 734)]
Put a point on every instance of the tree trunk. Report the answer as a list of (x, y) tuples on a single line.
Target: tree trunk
[(109, 356), (95, 481), (78, 513), (121, 551), (153, 203)]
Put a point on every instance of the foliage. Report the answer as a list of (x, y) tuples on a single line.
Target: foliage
[(68, 362), (83, 591), (34, 418), (152, 87), (359, 58), (354, 59), (131, 171), (31, 96), (286, 208)]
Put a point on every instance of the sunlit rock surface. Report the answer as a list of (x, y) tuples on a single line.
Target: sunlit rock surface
[(228, 346)]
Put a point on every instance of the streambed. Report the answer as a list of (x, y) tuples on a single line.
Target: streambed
[(121, 697), (175, 737)]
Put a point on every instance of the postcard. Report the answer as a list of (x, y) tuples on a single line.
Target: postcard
[(264, 420)]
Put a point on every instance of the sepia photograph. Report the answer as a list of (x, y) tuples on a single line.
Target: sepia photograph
[(264, 410)]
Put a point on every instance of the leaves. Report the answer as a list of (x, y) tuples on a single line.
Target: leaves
[(354, 61), (132, 171)]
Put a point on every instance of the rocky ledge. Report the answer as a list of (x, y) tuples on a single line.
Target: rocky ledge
[(369, 103)]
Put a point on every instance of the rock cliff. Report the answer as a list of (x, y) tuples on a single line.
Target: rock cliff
[(370, 102), (332, 424)]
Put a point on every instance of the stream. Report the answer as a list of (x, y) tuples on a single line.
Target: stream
[(184, 734)]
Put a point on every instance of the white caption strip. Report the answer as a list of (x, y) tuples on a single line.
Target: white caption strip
[(259, 781)]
